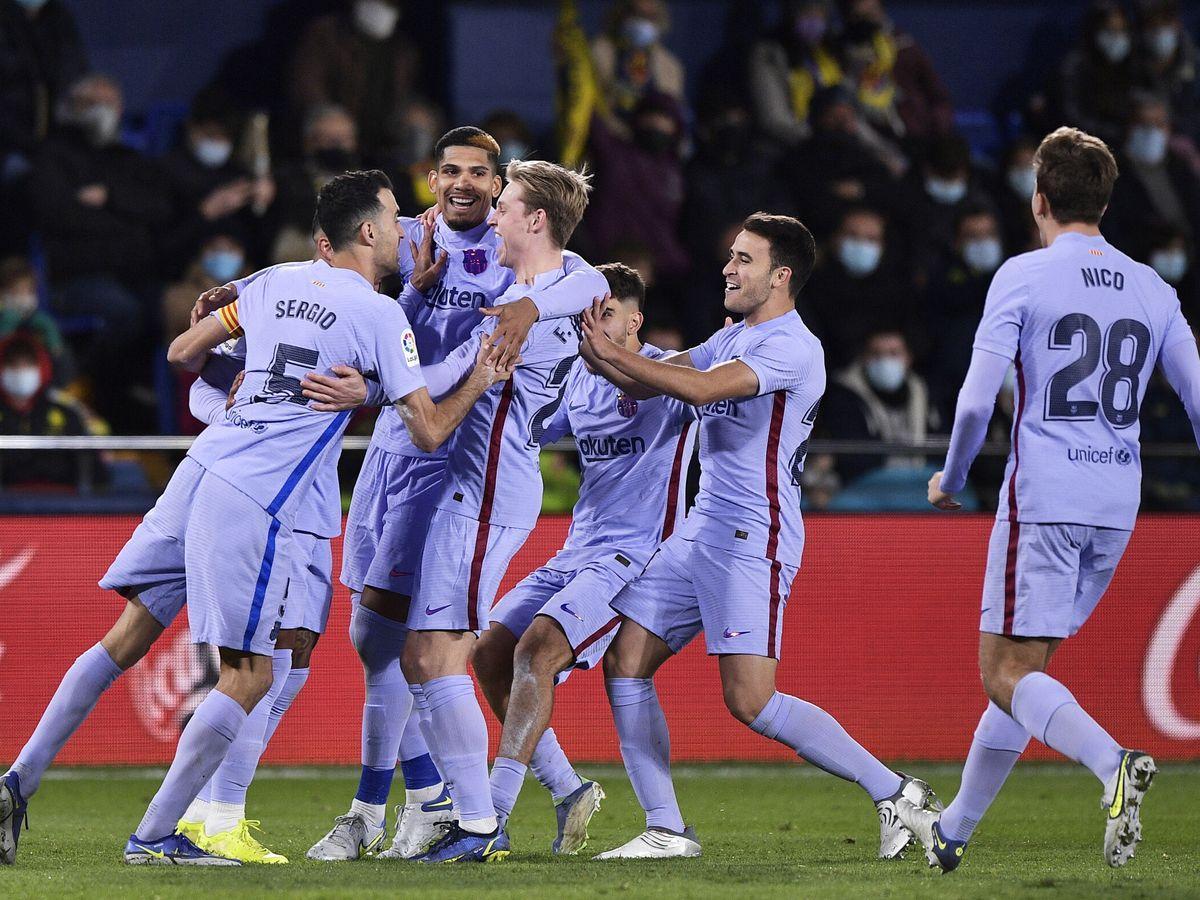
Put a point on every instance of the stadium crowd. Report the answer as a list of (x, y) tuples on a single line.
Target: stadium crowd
[(832, 113)]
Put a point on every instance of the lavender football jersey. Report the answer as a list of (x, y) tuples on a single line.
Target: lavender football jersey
[(299, 319), (752, 449), (1084, 325), (492, 469), (633, 455), (473, 278), (321, 513)]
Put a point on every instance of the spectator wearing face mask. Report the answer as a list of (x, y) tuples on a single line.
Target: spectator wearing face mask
[(1172, 257), (1158, 186), (19, 312), (329, 147), (1167, 63), (857, 284), (639, 187), (954, 301), (222, 259), (1012, 190), (789, 67), (1097, 77), (410, 160), (29, 406), (211, 190), (512, 134), (99, 207), (361, 59), (40, 57), (878, 397), (630, 61)]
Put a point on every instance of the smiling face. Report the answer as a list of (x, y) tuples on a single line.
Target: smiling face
[(465, 184), (512, 222), (386, 229), (748, 274)]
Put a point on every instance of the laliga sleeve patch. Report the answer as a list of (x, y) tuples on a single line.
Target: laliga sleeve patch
[(408, 342)]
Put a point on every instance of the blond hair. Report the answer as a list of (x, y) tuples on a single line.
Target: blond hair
[(562, 193)]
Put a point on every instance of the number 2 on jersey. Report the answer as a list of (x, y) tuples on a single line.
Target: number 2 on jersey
[(1120, 407)]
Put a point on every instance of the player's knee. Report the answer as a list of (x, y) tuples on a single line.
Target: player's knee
[(303, 642), (999, 681), (744, 703), (132, 636), (543, 651), (493, 659)]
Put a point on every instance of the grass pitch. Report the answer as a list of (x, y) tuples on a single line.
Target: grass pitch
[(767, 831)]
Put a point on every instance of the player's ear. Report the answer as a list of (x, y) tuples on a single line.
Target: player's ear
[(431, 180), (538, 221), (367, 232), (635, 323), (782, 275), (497, 185)]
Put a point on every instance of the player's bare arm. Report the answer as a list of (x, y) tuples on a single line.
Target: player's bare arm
[(190, 349), (212, 300), (344, 389), (429, 423), (630, 386)]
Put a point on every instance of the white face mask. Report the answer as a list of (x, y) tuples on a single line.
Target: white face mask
[(1171, 265), (376, 19), (101, 122), (511, 150), (886, 373), (1147, 144), (859, 256), (943, 191), (640, 33), (982, 255), (1023, 180), (1163, 41), (19, 302), (1115, 45), (212, 152), (21, 382)]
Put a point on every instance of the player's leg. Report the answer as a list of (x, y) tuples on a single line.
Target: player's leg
[(742, 601), (660, 618)]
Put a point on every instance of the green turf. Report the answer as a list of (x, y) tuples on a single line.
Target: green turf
[(768, 831)]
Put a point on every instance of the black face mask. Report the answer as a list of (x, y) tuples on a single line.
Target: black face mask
[(654, 141), (336, 159)]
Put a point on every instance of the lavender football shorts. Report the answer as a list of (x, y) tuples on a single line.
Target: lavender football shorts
[(230, 553), (310, 589), (1045, 580), (394, 498), (737, 600), (461, 568)]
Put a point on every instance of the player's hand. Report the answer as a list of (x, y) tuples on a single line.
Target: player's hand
[(345, 389), (212, 300), (233, 389), (428, 264), (597, 341), (512, 327), (489, 368), (939, 498)]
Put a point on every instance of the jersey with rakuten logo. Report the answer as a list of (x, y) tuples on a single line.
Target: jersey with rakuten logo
[(449, 313)]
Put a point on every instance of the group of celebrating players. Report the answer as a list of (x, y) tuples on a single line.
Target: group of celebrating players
[(502, 341)]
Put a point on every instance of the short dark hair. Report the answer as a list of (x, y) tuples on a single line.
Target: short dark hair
[(792, 245), (1075, 172), (469, 136), (348, 200), (14, 269), (624, 282)]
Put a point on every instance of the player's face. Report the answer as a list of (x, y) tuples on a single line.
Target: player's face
[(620, 320), (512, 223), (386, 228), (465, 184), (748, 273)]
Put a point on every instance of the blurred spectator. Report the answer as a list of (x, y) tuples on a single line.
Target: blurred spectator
[(844, 163), (29, 405), (1098, 75), (211, 190), (789, 67), (1012, 191), (896, 84), (638, 191), (99, 206), (222, 258), (40, 57), (987, 474), (936, 194), (955, 301), (857, 287), (359, 59), (1168, 62), (630, 61), (19, 312), (730, 176), (878, 398), (418, 126), (663, 336), (1158, 186), (330, 147), (1168, 483), (512, 134), (1173, 258)]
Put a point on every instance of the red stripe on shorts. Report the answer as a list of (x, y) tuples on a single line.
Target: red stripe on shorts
[(1014, 527), (596, 635), (773, 507), (673, 483), (495, 441), (1010, 576)]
